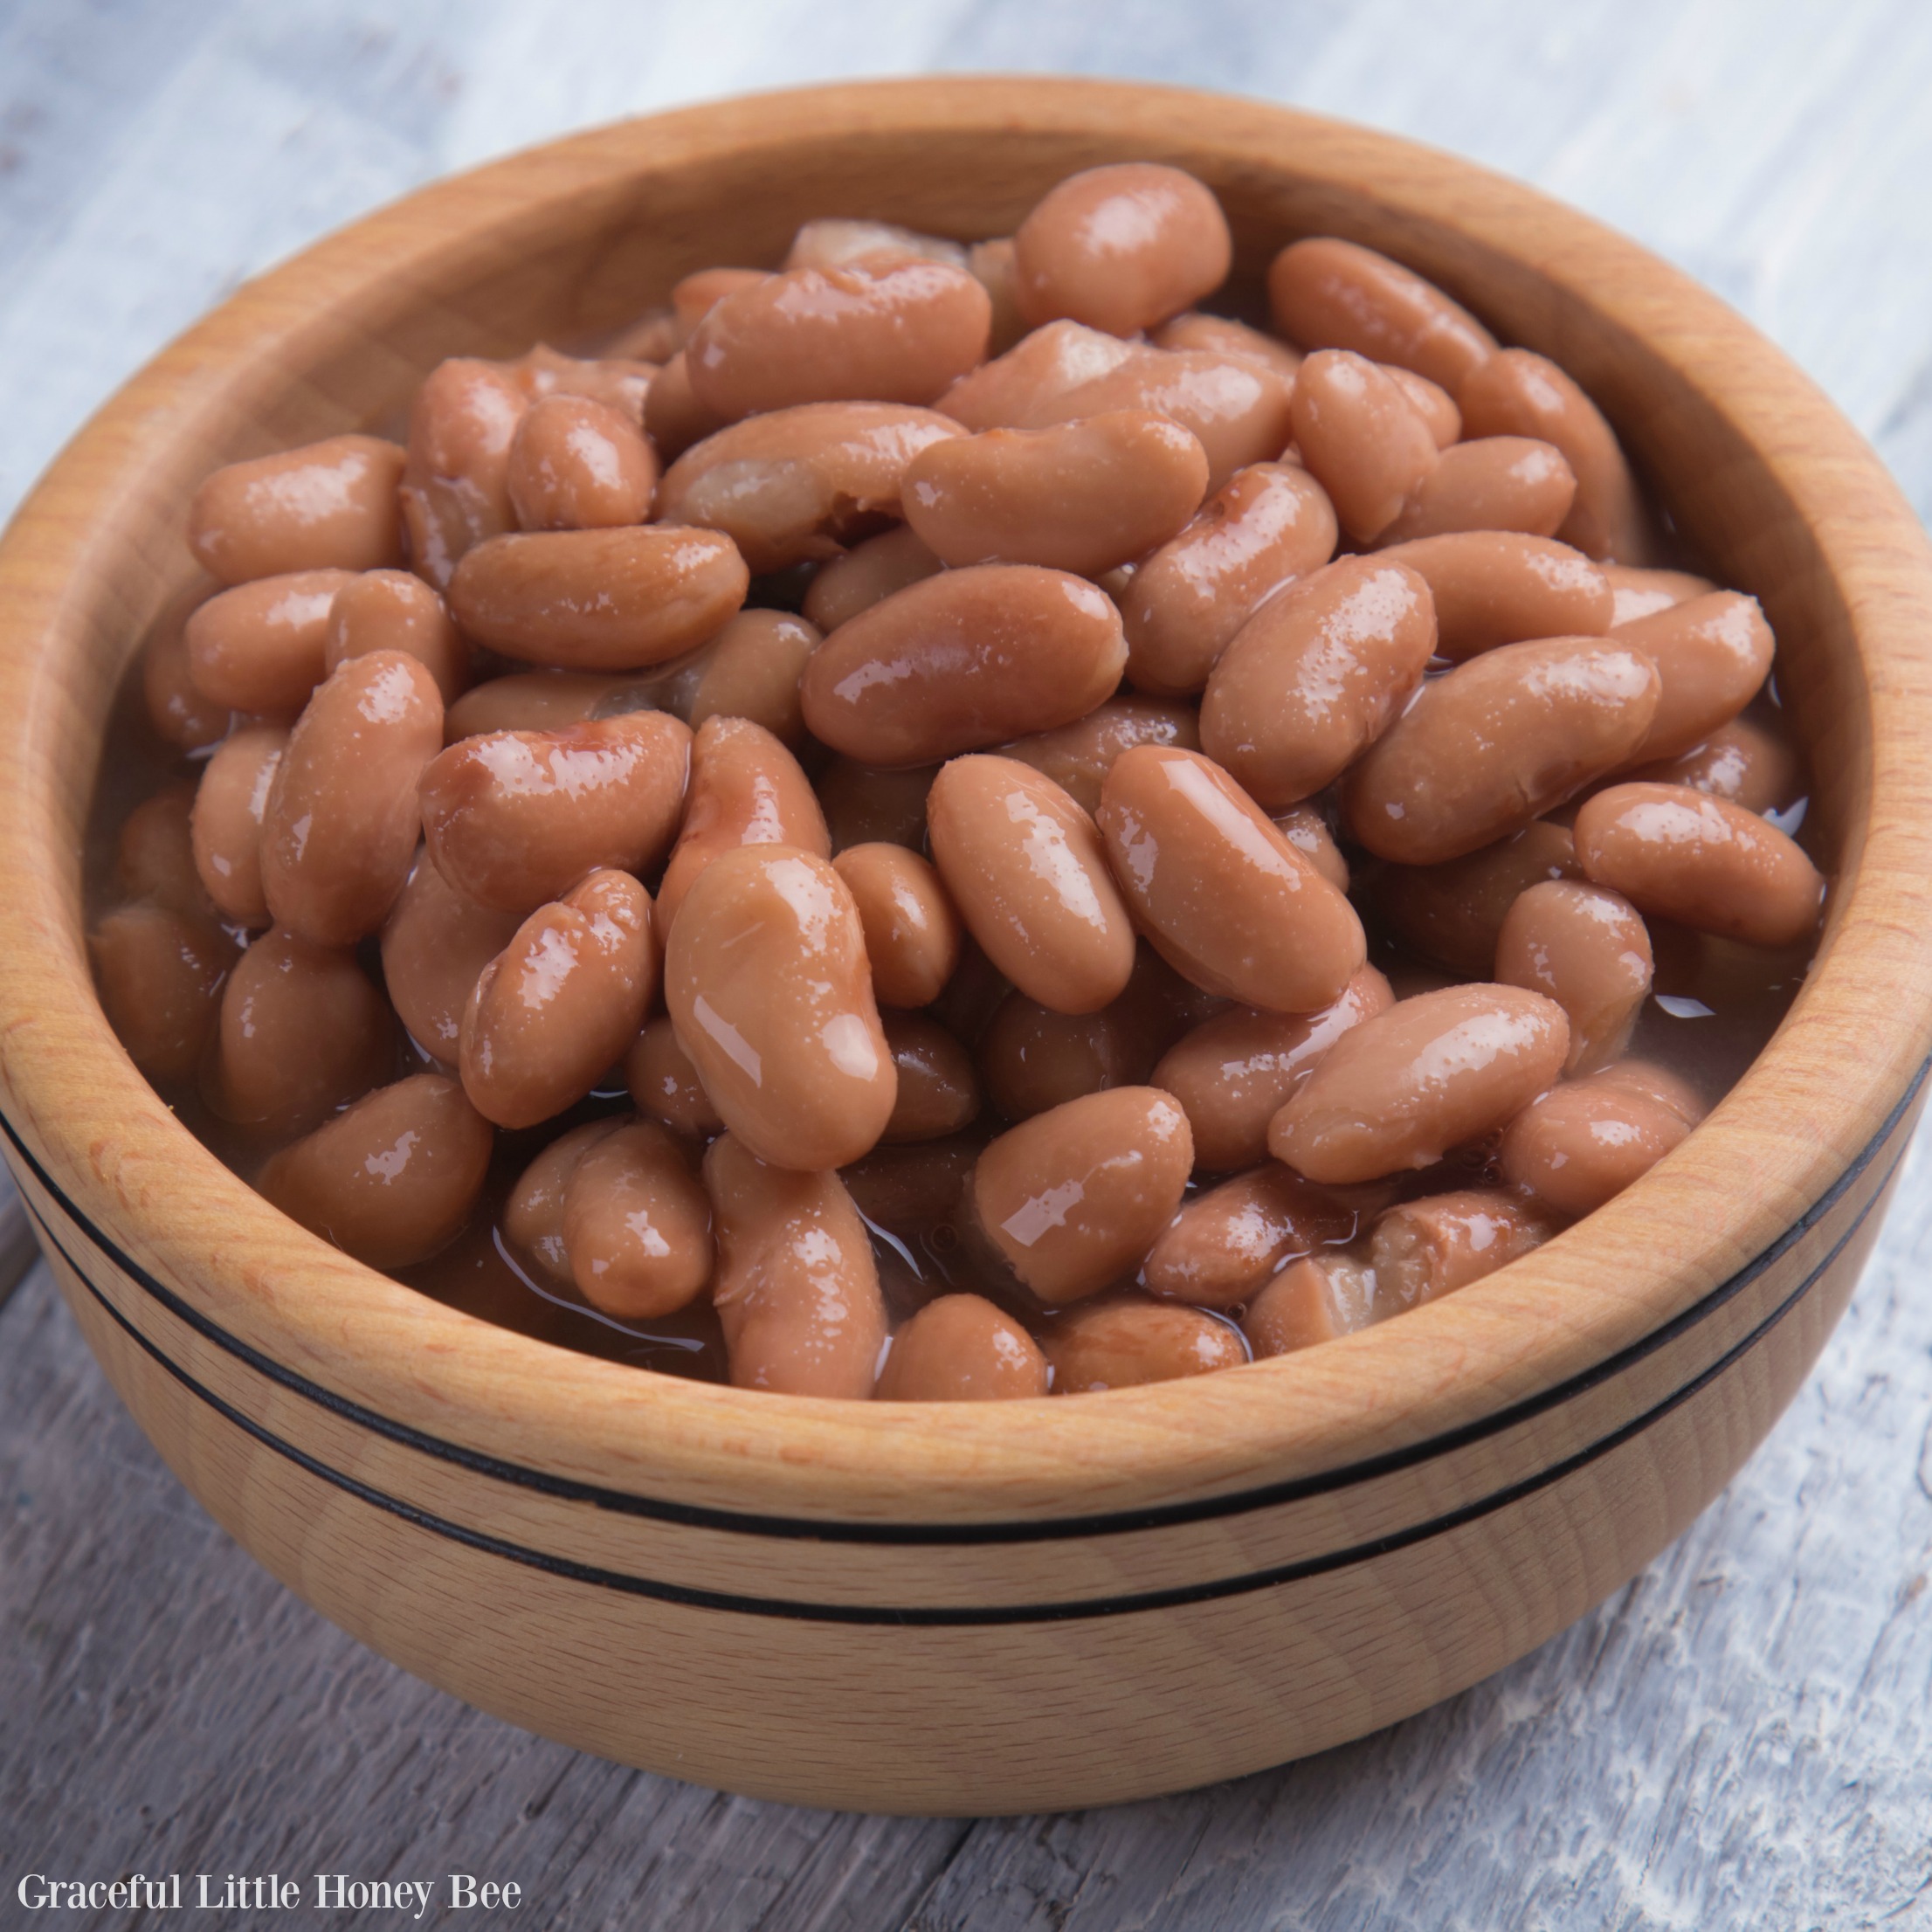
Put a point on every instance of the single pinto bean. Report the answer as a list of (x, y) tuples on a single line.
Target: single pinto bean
[(796, 1289), (182, 714), (830, 243), (1425, 1249), (664, 1084), (1309, 1302), (1033, 1059), (619, 382), (745, 790), (1496, 483), (533, 1215), (961, 661), (1496, 743), (159, 974), (263, 646), (1222, 336), (869, 571), (1316, 675), (1586, 948), (1702, 861), (599, 600), (1235, 1072), (1025, 868), (1454, 912), (530, 701), (897, 331), (578, 463), (674, 417), (752, 668), (513, 818), (767, 980), (961, 1348), (327, 504), (155, 854), (302, 1031), (922, 1185), (1325, 294), (1432, 404), (1224, 897), (1740, 761), (455, 490), (1644, 593), (1305, 827), (557, 1007), (435, 946), (392, 1181), (1589, 1139), (1120, 248), (637, 1225), (912, 930), (1073, 1198), (994, 265), (867, 804), (1268, 525), (938, 1091), (1220, 1249), (1366, 442), (795, 486), (1400, 1090), (1127, 1344), (1711, 652), (1494, 587), (340, 825), (697, 294), (229, 803), (392, 610), (1078, 757), (1518, 393)]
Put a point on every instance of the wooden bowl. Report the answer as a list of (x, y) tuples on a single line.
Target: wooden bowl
[(968, 1609)]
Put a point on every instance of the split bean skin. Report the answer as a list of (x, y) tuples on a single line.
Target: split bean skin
[(393, 610), (995, 266), (1269, 525), (1585, 948), (1078, 756), (532, 1213), (1305, 827), (226, 826), (1366, 442), (1494, 483), (578, 463), (599, 600), (514, 818), (1452, 912), (938, 1091), (1129, 1344), (1081, 496), (1026, 870), (751, 671), (832, 243), (1496, 743), (1327, 293), (1221, 336), (1711, 653), (455, 492), (1683, 855), (340, 825), (1493, 587), (796, 1289), (330, 505), (262, 647), (911, 928), (620, 382), (1311, 1301), (637, 1225), (767, 981), (435, 946), (1223, 1246), (1120, 248), (160, 974), (557, 1008), (882, 331), (960, 1348), (858, 578), (795, 486), (665, 1084), (1740, 761), (394, 1179), (1222, 895), (697, 295), (1423, 1250), (1584, 1142), (1430, 1073), (963, 660), (674, 417), (870, 803), (1316, 675), (1237, 1070), (1073, 1199), (1432, 402)]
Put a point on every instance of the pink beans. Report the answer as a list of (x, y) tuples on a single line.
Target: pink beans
[(1127, 1344), (961, 661), (1588, 1140), (1704, 862), (435, 946), (637, 1225), (1739, 761), (455, 491), (1223, 896), (535, 700), (1586, 948), (1401, 1089), (1222, 336), (1643, 593), (392, 610), (1031, 1057), (340, 825), (263, 646), (1078, 757), (795, 1289), (327, 506), (1366, 443), (867, 572), (159, 974), (911, 928), (576, 464), (865, 803), (1309, 1302), (559, 1005), (1220, 1249), (938, 1093), (961, 1348), (1494, 587), (1423, 1250), (1452, 912), (514, 818), (230, 805), (767, 980), (1711, 653), (664, 1084), (1497, 483)]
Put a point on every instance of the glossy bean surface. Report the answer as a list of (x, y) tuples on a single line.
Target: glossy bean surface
[(865, 803), (1711, 653), (1078, 756), (159, 974), (1223, 1246), (1306, 827), (911, 928), (531, 701), (1361, 437), (226, 828), (1031, 1057), (1422, 1250), (1223, 335), (1309, 1302), (1642, 593), (665, 1084), (1585, 948), (1452, 912), (637, 1223), (1740, 761), (578, 463), (938, 1091), (674, 417), (182, 715), (830, 243), (961, 1348), (1493, 587), (1586, 1142), (436, 943), (263, 646), (533, 1212), (870, 570), (393, 610), (751, 671), (455, 489), (1126, 1344), (1496, 483), (330, 505)]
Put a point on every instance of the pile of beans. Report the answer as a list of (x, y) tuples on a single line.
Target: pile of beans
[(946, 821)]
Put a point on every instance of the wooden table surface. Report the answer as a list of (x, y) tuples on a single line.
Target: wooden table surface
[(1742, 1737)]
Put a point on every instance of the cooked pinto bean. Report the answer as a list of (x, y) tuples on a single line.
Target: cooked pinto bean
[(578, 463), (869, 571), (1317, 674), (435, 946), (1452, 912), (1431, 403), (1366, 443), (994, 265), (327, 504), (1739, 761), (961, 1348), (340, 825), (752, 670), (1589, 1139), (263, 646), (1497, 483), (455, 490), (912, 929), (1706, 863), (1641, 593), (1586, 948), (226, 827), (1221, 335), (674, 417), (938, 1090), (1425, 1249), (155, 854), (868, 803), (1307, 830), (1224, 897), (1494, 587), (515, 817), (1711, 653), (392, 1181), (1222, 1247), (1496, 743), (1078, 756), (182, 714), (1075, 1196), (618, 382), (1309, 1302), (1031, 384), (159, 974), (532, 701), (1033, 1059), (920, 1185), (796, 1288), (830, 243), (637, 1223), (533, 1215), (558, 1007), (697, 295), (392, 610), (1126, 1344), (1401, 1089)]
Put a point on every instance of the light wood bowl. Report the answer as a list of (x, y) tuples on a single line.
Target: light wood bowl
[(968, 1609)]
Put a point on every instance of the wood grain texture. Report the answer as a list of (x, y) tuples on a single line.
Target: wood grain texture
[(1604, 79)]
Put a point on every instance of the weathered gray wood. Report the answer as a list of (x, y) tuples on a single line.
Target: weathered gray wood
[(1742, 1737)]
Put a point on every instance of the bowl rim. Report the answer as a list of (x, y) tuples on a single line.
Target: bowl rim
[(193, 1236)]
